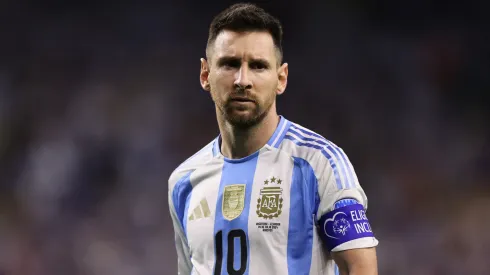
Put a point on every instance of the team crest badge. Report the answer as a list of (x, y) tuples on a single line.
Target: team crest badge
[(269, 204), (233, 201)]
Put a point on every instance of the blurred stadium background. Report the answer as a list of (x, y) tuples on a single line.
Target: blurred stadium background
[(99, 102)]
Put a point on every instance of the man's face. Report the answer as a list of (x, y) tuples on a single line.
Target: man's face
[(243, 76)]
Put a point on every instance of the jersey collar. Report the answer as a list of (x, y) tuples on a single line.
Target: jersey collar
[(279, 133), (274, 141)]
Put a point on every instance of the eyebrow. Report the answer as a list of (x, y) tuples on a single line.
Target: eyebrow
[(227, 59)]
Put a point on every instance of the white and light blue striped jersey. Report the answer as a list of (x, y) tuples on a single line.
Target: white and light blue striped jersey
[(281, 210)]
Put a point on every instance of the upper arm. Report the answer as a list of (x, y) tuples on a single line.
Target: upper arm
[(357, 261), (341, 215)]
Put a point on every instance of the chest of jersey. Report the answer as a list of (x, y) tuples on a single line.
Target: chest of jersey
[(246, 212)]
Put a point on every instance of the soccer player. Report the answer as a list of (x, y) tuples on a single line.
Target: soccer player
[(267, 196)]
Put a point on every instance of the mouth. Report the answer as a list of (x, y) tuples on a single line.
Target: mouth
[(240, 99)]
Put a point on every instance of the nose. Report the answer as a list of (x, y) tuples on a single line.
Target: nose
[(242, 78)]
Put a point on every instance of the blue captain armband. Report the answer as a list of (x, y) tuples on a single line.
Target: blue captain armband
[(345, 223)]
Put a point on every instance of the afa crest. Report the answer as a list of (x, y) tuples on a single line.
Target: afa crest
[(233, 201), (269, 204)]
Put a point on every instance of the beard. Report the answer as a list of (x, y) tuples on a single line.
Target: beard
[(243, 117)]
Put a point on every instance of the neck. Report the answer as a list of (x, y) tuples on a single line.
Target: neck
[(238, 143)]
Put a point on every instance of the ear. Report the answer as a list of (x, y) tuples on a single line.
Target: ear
[(204, 75), (282, 74)]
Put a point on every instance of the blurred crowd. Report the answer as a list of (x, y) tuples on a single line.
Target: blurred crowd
[(100, 102)]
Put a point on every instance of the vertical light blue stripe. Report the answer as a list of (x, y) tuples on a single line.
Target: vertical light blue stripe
[(336, 270), (325, 153), (180, 195), (240, 171), (186, 209), (304, 188)]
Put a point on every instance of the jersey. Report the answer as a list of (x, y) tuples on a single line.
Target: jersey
[(281, 210)]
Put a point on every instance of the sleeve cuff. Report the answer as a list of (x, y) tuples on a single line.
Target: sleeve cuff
[(365, 242)]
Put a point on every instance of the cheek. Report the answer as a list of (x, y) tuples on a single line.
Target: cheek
[(221, 82), (218, 92), (268, 81), (269, 88)]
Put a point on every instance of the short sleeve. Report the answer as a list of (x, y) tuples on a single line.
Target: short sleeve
[(341, 217)]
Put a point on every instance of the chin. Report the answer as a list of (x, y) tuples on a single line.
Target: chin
[(244, 120)]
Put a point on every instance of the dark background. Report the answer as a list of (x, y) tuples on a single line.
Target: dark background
[(99, 102)]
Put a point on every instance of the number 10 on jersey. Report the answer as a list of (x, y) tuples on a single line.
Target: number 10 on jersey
[(230, 258)]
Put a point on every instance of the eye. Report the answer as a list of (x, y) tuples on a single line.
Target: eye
[(230, 64), (258, 66)]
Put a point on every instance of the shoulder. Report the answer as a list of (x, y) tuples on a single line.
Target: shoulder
[(300, 141), (324, 156), (199, 159)]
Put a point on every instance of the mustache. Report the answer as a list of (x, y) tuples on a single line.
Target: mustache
[(241, 94)]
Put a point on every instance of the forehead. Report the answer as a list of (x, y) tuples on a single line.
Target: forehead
[(245, 45)]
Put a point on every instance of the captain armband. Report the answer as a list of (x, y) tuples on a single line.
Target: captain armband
[(346, 223)]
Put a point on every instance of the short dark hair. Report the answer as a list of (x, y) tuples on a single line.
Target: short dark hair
[(246, 17)]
